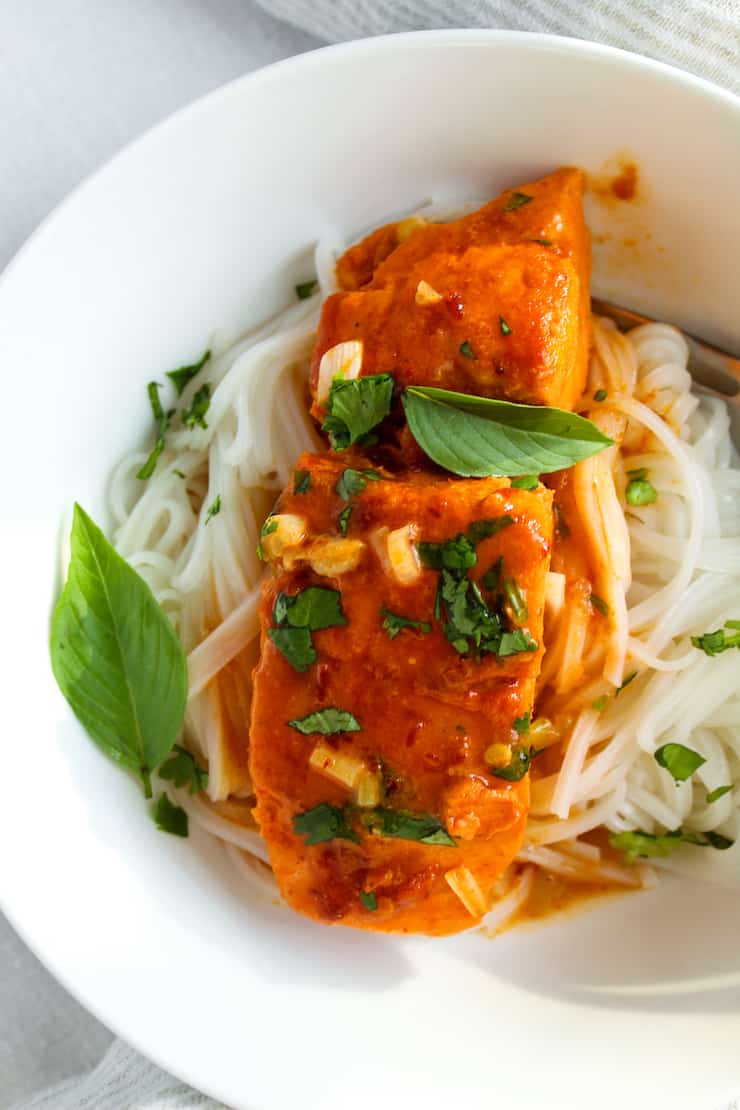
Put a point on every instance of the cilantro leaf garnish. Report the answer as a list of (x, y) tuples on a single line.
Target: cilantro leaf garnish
[(185, 374), (301, 481), (182, 769), (467, 351), (326, 722), (196, 414), (306, 289), (213, 509), (456, 554), (343, 519), (714, 643), (352, 482), (297, 616), (599, 605), (355, 407), (525, 481), (393, 623), (170, 818), (402, 825), (505, 329), (521, 724), (638, 844), (517, 200), (679, 760), (517, 767), (719, 792), (640, 492), (368, 899), (481, 530), (163, 419), (296, 645), (325, 822)]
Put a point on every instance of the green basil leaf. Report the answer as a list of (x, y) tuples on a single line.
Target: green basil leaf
[(719, 792), (355, 407), (182, 769), (301, 481), (393, 624), (368, 899), (679, 760), (196, 414), (185, 374), (526, 481), (351, 482), (296, 645), (402, 825), (326, 722), (324, 822), (306, 289), (478, 436), (170, 818), (115, 655)]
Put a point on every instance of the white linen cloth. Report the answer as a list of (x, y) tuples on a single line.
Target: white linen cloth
[(55, 58), (699, 35)]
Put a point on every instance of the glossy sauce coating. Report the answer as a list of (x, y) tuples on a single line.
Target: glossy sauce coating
[(426, 713), (512, 315)]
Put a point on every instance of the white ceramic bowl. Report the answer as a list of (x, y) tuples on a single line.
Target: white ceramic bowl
[(195, 231)]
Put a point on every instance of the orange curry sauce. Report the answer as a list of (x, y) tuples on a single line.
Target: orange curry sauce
[(375, 740)]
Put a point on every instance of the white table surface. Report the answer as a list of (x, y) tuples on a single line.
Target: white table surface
[(78, 80)]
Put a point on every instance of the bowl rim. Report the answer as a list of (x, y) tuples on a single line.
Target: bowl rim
[(534, 43)]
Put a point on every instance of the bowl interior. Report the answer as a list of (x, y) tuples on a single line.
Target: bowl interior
[(197, 231)]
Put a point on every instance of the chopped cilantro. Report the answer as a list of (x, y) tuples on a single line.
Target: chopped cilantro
[(301, 481), (325, 822), (306, 289), (505, 329), (170, 818), (196, 414), (638, 844), (214, 509), (467, 351), (640, 492), (521, 724), (600, 395), (355, 407), (517, 200), (625, 683), (296, 645), (600, 703), (714, 643), (162, 418), (543, 242), (393, 624), (527, 481), (481, 530), (179, 473), (679, 760), (402, 825), (457, 554), (368, 899), (516, 769), (326, 722), (185, 374), (182, 769), (343, 519), (715, 795), (351, 481), (599, 605), (517, 604)]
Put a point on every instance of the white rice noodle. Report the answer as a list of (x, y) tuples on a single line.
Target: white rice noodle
[(503, 910), (667, 571)]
